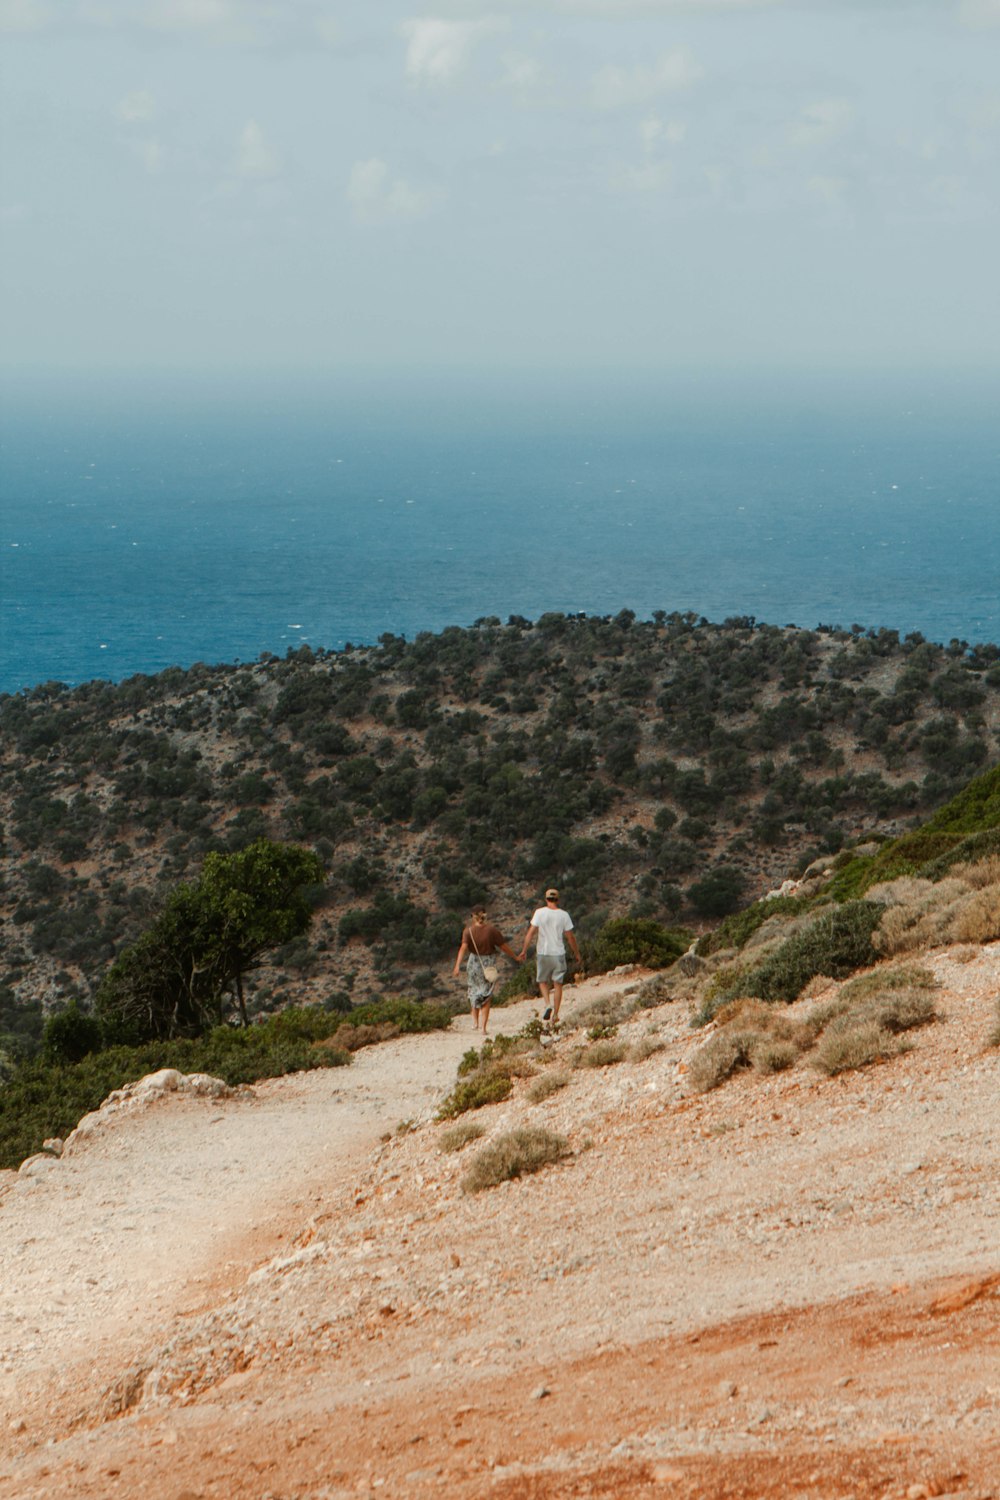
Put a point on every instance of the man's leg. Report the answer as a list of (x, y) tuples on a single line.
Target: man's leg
[(543, 985), (556, 998)]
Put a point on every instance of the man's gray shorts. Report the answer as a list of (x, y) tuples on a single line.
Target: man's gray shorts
[(550, 968)]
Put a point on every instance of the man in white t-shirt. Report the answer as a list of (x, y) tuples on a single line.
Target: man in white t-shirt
[(549, 926)]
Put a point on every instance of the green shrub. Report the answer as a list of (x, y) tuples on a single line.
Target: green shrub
[(70, 1035), (460, 1135), (50, 1098), (972, 849), (718, 893), (635, 940), (835, 944), (994, 1037), (515, 1154), (521, 983), (488, 1085), (736, 930), (405, 1014)]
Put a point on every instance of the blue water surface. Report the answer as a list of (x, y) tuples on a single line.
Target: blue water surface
[(153, 522)]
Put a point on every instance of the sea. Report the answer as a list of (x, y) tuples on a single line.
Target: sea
[(153, 520)]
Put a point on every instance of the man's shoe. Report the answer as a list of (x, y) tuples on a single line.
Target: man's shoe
[(546, 1013)]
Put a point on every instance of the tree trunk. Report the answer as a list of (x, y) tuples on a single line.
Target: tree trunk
[(239, 997)]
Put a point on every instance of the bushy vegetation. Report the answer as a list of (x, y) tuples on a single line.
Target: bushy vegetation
[(457, 1137), (180, 977), (49, 1098), (962, 907), (517, 1153), (862, 1023), (427, 774), (835, 944), (487, 1076), (635, 940), (546, 1084)]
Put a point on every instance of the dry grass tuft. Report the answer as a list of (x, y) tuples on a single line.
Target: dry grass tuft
[(882, 981), (514, 1154), (964, 908), (841, 1049), (546, 1085), (457, 1136), (994, 1037), (858, 1025), (646, 1046), (601, 1054), (604, 1014)]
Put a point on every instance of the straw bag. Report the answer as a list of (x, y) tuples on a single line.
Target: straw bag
[(490, 971)]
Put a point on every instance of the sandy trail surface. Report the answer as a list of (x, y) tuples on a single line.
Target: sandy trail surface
[(790, 1286)]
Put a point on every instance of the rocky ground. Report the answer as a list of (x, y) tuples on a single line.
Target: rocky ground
[(787, 1287)]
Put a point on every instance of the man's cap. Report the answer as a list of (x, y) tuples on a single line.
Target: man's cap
[(552, 895)]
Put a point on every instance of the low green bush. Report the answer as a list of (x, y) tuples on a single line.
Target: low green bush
[(835, 944), (50, 1098), (71, 1034), (635, 940), (490, 1084), (736, 930), (515, 1154), (520, 985), (975, 847)]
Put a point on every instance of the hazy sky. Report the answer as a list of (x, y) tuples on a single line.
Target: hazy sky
[(528, 182)]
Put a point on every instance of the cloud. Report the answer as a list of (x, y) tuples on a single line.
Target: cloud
[(150, 154), (438, 51), (376, 197), (623, 88), (136, 107), (255, 156), (654, 132), (520, 72), (821, 122)]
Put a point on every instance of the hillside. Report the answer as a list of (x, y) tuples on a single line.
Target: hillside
[(784, 1286), (730, 1229), (669, 768)]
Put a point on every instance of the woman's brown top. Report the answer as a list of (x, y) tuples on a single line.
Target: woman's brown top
[(488, 938)]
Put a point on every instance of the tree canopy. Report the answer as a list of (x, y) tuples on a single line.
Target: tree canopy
[(186, 971)]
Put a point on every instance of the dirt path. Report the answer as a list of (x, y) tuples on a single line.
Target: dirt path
[(789, 1286)]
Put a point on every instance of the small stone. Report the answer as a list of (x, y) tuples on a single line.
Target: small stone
[(19, 1425), (54, 1145), (726, 1389), (666, 1474), (918, 1492), (540, 1392)]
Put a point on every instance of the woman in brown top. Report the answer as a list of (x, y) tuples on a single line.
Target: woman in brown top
[(481, 941)]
